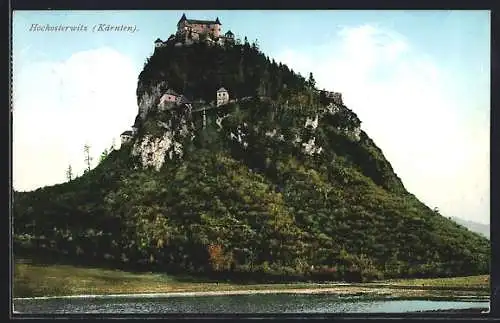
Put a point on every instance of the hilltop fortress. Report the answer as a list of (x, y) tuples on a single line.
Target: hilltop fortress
[(192, 30), (212, 28)]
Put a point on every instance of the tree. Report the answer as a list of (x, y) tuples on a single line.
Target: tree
[(69, 173), (216, 255), (88, 159), (113, 144), (255, 45), (104, 154), (311, 82)]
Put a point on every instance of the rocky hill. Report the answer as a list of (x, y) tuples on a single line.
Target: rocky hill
[(279, 182)]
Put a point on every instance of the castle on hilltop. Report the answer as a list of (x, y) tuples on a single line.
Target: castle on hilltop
[(209, 27), (192, 30)]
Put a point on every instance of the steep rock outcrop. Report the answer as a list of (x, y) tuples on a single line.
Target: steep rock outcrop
[(279, 182)]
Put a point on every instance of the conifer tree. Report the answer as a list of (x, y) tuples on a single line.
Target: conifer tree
[(311, 82), (88, 159), (69, 173)]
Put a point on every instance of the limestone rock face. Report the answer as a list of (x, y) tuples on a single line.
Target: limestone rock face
[(152, 151), (310, 148), (150, 99), (312, 123), (174, 124)]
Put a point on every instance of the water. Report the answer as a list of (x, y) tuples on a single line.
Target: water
[(282, 303)]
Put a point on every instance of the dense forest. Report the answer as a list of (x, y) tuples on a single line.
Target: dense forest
[(199, 70), (265, 210)]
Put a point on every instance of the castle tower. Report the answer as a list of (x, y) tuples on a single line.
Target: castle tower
[(158, 43), (222, 96)]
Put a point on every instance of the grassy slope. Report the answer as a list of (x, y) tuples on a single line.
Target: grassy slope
[(32, 280)]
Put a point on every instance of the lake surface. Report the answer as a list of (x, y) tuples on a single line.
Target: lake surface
[(274, 303)]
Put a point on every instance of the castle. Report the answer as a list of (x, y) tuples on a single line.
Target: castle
[(192, 30), (211, 28)]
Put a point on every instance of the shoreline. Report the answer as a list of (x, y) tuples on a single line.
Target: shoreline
[(36, 281), (351, 291)]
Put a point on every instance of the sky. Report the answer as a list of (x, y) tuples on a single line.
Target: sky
[(418, 80)]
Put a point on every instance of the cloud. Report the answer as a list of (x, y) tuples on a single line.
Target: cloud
[(59, 106), (408, 107)]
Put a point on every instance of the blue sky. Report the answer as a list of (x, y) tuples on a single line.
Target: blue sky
[(418, 80)]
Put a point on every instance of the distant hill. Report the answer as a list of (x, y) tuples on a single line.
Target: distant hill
[(480, 228)]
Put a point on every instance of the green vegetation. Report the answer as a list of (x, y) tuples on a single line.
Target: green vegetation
[(198, 71), (55, 280), (481, 282), (265, 212), (32, 280)]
